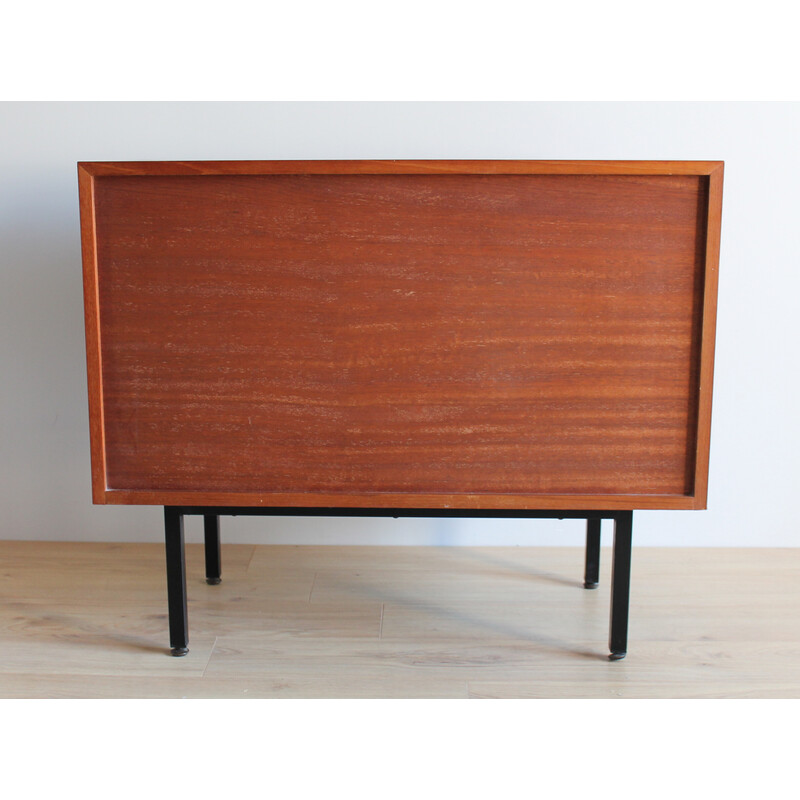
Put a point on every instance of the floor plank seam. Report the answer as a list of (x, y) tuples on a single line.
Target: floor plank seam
[(210, 654), (250, 560), (313, 584)]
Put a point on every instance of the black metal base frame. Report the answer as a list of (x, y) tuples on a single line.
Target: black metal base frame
[(176, 565)]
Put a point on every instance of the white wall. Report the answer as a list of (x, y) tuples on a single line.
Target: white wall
[(44, 441)]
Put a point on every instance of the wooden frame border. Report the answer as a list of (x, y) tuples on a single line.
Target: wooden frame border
[(91, 311), (101, 494)]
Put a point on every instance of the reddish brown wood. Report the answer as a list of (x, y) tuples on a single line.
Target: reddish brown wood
[(92, 324), (401, 334), (710, 276), (401, 167), (404, 500)]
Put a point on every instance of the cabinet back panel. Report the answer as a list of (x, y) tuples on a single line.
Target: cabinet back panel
[(445, 333)]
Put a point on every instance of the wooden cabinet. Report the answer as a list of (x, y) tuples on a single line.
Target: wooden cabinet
[(441, 336)]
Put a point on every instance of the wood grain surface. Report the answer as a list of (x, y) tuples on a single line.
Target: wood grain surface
[(449, 339), (87, 619)]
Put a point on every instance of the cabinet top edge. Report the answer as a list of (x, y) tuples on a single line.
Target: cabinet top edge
[(397, 167)]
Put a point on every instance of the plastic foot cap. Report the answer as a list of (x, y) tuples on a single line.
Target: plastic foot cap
[(590, 585), (617, 656), (179, 651), (213, 581)]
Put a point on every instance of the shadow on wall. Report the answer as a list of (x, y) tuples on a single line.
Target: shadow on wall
[(43, 413)]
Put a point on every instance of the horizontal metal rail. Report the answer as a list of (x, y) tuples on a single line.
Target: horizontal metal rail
[(460, 513)]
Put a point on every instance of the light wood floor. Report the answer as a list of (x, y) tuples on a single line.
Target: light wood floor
[(89, 621)]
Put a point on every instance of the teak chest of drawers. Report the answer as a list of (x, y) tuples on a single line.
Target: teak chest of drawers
[(401, 338)]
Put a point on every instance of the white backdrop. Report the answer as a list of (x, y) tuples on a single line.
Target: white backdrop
[(44, 440)]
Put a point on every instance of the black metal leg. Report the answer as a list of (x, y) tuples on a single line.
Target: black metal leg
[(176, 582), (620, 585), (213, 556), (176, 569), (591, 575)]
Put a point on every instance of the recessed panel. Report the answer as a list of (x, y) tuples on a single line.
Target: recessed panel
[(455, 334)]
